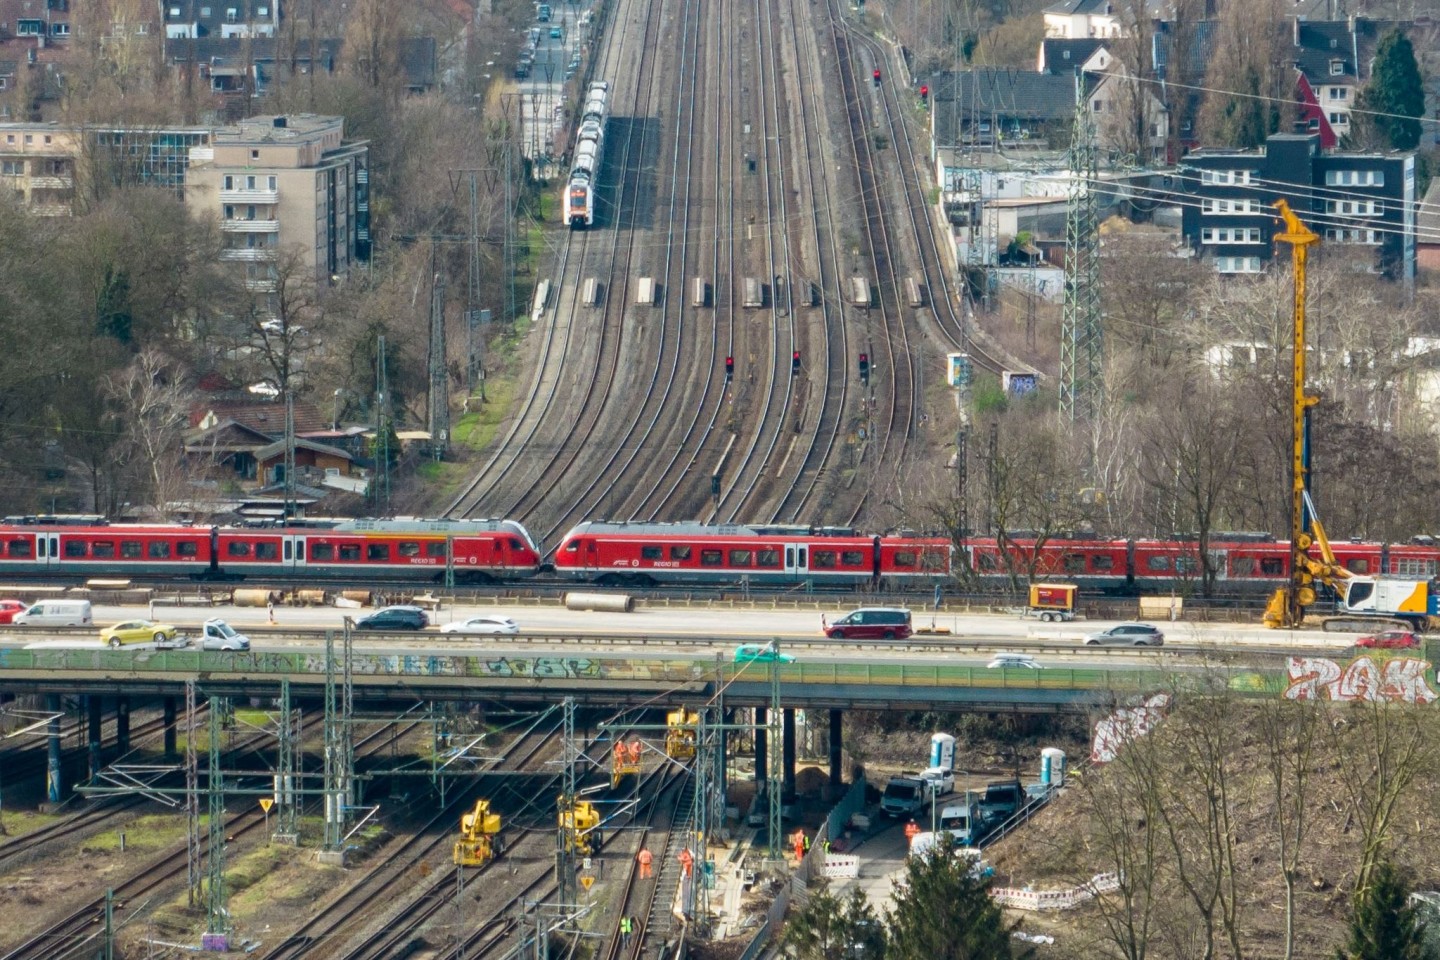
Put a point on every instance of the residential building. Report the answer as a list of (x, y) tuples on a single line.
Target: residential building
[(1073, 19), (281, 183), (234, 66), (1360, 201), (1427, 233), (34, 24), (1063, 57), (220, 18), (994, 107), (37, 165)]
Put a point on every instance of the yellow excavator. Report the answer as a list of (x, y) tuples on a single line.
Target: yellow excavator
[(1365, 602), (581, 827), (479, 836)]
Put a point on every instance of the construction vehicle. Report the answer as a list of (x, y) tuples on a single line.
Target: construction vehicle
[(580, 825), (479, 836), (1364, 602), (680, 734)]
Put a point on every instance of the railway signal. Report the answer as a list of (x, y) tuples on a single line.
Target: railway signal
[(876, 76), (924, 95), (795, 362), (865, 369), (729, 369)]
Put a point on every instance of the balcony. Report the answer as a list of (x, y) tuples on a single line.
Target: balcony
[(250, 196), (251, 254), (52, 183), (250, 226)]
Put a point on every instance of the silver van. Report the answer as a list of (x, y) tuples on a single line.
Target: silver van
[(55, 613)]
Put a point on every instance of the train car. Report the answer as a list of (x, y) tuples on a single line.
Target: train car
[(1095, 565), (914, 292), (589, 150), (89, 547), (754, 293), (860, 292), (643, 553)]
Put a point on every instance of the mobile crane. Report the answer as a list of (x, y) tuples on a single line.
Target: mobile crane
[(479, 836), (1365, 602)]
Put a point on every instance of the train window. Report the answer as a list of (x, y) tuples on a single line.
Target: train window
[(1103, 562), (322, 551), (987, 562), (1187, 564), (377, 551), (933, 560), (1157, 564), (767, 558), (187, 548), (20, 548), (904, 558), (852, 558), (514, 544), (266, 551), (74, 548), (739, 558), (822, 559), (102, 549), (679, 553), (1272, 566), (572, 546), (1358, 565), (435, 548), (159, 550), (711, 558), (1074, 563), (1414, 568), (408, 548), (130, 549), (349, 551), (1242, 566), (235, 549), (652, 552)]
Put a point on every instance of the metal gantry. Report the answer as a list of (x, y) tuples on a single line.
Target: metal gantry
[(1081, 330), (439, 369), (564, 844), (339, 743), (192, 799), (217, 916), (774, 754), (287, 732)]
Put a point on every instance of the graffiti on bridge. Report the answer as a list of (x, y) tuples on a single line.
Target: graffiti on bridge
[(542, 668), (1400, 680)]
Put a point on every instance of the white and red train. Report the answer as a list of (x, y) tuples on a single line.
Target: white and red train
[(653, 553)]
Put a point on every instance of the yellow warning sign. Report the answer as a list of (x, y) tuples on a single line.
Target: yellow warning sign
[(266, 803), (586, 880)]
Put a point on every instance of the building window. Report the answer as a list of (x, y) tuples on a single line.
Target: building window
[(229, 212), (1359, 208), (272, 183), (47, 138), (1314, 123), (175, 13), (30, 28), (1355, 178), (205, 12), (1366, 237), (1237, 264), (3, 82), (227, 182), (60, 29), (249, 183), (254, 154), (1097, 105), (1339, 119), (1339, 93), (142, 30), (1337, 68), (262, 11), (29, 139), (12, 168), (232, 14)]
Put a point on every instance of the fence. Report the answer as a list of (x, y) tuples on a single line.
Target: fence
[(1020, 898)]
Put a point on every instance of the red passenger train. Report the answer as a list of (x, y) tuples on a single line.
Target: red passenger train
[(644, 553)]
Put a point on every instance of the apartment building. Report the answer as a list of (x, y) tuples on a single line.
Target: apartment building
[(1364, 202), (37, 165), (286, 183)]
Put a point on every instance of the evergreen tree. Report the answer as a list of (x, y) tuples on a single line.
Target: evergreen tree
[(1395, 92), (944, 912), (1384, 925), (833, 929)]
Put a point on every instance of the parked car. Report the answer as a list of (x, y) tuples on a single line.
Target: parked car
[(871, 623), (399, 617), (760, 653), (487, 623), (1014, 661), (1389, 639), (1134, 634), (140, 631), (8, 609), (219, 635), (940, 780)]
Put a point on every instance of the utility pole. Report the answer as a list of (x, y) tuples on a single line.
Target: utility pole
[(289, 454), (217, 915), (382, 429), (1081, 334), (192, 799), (439, 405)]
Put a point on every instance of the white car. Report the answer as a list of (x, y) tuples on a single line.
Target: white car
[(941, 781), (486, 624), (219, 635), (1014, 661)]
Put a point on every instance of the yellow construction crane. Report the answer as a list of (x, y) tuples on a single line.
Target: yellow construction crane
[(479, 836)]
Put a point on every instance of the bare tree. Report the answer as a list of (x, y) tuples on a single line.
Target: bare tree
[(1290, 737), (157, 402), (1251, 80)]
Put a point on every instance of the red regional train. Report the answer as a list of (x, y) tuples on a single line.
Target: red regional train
[(644, 553), (477, 550)]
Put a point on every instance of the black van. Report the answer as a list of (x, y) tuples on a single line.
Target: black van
[(872, 623)]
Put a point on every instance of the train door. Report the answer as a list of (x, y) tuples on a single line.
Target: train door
[(293, 551), (797, 560), (47, 550), (589, 556)]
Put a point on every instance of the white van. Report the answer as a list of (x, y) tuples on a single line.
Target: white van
[(55, 613)]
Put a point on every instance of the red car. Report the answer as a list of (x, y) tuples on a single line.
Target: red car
[(8, 609), (1389, 639)]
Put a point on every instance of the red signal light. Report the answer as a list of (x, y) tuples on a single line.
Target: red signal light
[(795, 361)]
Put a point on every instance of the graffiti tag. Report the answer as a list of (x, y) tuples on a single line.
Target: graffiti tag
[(1124, 725), (543, 668), (1401, 680)]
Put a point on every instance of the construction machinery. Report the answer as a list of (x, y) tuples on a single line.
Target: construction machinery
[(1364, 602), (626, 760), (479, 836), (580, 825), (680, 734)]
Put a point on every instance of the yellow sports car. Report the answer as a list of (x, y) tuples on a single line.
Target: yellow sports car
[(138, 631)]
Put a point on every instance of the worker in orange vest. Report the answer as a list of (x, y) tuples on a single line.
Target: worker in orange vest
[(799, 842), (645, 859), (637, 749), (911, 830), (687, 861)]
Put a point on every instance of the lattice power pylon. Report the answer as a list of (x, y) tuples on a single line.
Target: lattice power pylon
[(1082, 342)]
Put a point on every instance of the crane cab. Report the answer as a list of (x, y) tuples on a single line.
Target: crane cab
[(680, 734), (580, 825), (479, 836)]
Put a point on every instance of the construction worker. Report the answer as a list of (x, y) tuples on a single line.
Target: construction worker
[(645, 859), (799, 842), (827, 846), (807, 842), (637, 750), (687, 862), (625, 930), (911, 830)]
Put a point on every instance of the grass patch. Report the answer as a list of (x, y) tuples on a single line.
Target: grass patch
[(17, 823), (154, 831), (479, 428), (253, 718)]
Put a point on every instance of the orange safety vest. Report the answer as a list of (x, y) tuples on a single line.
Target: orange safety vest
[(644, 857)]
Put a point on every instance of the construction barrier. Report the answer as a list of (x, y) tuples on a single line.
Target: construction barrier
[(840, 866), (1021, 898)]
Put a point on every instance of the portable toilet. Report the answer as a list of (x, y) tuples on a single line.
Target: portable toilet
[(942, 752), (1052, 767)]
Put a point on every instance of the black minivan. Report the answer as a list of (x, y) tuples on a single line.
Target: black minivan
[(872, 623)]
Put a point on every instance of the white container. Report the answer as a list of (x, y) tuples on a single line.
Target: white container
[(942, 751), (1052, 767)]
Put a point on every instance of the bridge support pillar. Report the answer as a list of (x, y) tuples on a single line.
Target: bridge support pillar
[(762, 752), (122, 725), (837, 776), (52, 744), (787, 757), (169, 726), (95, 716)]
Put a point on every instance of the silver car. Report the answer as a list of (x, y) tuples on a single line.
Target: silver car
[(1128, 634), (219, 635)]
